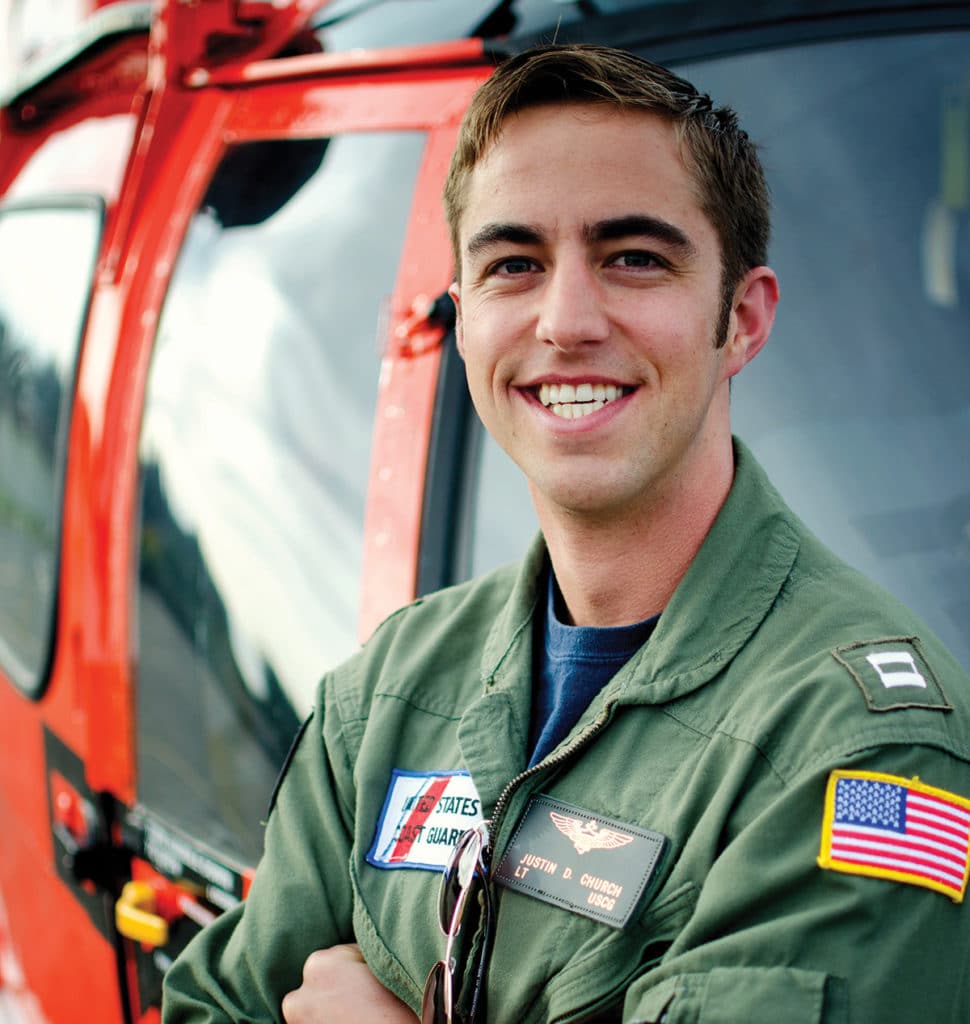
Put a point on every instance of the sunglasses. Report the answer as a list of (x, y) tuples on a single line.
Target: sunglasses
[(465, 878)]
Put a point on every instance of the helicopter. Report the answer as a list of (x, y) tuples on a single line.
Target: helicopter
[(234, 427)]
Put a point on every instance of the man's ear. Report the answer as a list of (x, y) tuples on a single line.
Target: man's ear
[(455, 292), (752, 314)]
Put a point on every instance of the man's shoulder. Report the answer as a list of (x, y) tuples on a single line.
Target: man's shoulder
[(476, 601), (442, 639), (826, 606), (835, 606), (836, 664), (852, 667)]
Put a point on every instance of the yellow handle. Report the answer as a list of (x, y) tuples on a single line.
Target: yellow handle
[(135, 917)]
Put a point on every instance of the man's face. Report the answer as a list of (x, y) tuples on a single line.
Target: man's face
[(588, 305)]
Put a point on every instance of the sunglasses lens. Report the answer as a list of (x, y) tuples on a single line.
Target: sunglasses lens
[(434, 1009), (457, 877), (476, 1003), (448, 897), (464, 866)]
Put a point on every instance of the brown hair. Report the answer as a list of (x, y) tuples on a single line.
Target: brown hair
[(718, 153)]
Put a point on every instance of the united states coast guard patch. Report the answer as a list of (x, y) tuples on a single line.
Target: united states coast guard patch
[(900, 829), (424, 815)]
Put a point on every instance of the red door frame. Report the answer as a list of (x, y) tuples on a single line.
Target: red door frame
[(88, 706), (196, 129), (53, 956), (100, 502)]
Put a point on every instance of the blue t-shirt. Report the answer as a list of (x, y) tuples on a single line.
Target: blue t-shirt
[(575, 663)]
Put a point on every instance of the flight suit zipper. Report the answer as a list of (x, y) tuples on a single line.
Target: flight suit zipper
[(476, 1010), (556, 758)]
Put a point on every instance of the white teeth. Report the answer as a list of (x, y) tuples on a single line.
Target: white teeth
[(575, 410), (572, 401)]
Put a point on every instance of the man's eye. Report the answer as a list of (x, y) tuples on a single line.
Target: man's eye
[(637, 259), (514, 265)]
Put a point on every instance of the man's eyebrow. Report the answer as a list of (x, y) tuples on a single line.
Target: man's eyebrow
[(643, 225), (495, 233), (612, 229)]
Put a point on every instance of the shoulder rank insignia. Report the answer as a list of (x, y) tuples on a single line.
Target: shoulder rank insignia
[(893, 674), (900, 829)]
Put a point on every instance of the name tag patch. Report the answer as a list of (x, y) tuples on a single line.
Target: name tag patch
[(424, 815), (590, 865), (892, 674)]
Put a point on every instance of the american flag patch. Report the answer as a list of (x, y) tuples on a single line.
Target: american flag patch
[(901, 829)]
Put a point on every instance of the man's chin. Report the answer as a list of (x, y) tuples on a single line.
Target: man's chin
[(593, 501)]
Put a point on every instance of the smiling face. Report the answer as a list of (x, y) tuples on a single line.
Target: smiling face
[(589, 307)]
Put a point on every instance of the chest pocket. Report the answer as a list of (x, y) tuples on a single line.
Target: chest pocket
[(588, 966), (756, 995)]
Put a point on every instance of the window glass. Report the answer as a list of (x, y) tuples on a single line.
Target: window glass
[(504, 518), (255, 453), (347, 24), (47, 259), (859, 407)]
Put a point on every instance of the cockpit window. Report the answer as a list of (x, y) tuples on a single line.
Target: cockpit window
[(47, 257), (255, 453)]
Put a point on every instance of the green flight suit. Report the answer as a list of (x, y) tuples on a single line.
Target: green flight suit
[(720, 734)]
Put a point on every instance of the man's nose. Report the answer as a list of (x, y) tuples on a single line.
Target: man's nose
[(571, 309)]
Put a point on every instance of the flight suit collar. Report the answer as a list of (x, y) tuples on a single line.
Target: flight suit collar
[(493, 734), (731, 585), (729, 588)]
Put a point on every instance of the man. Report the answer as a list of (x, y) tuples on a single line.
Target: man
[(694, 733)]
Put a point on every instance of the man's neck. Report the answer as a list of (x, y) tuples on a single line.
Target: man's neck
[(624, 569)]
